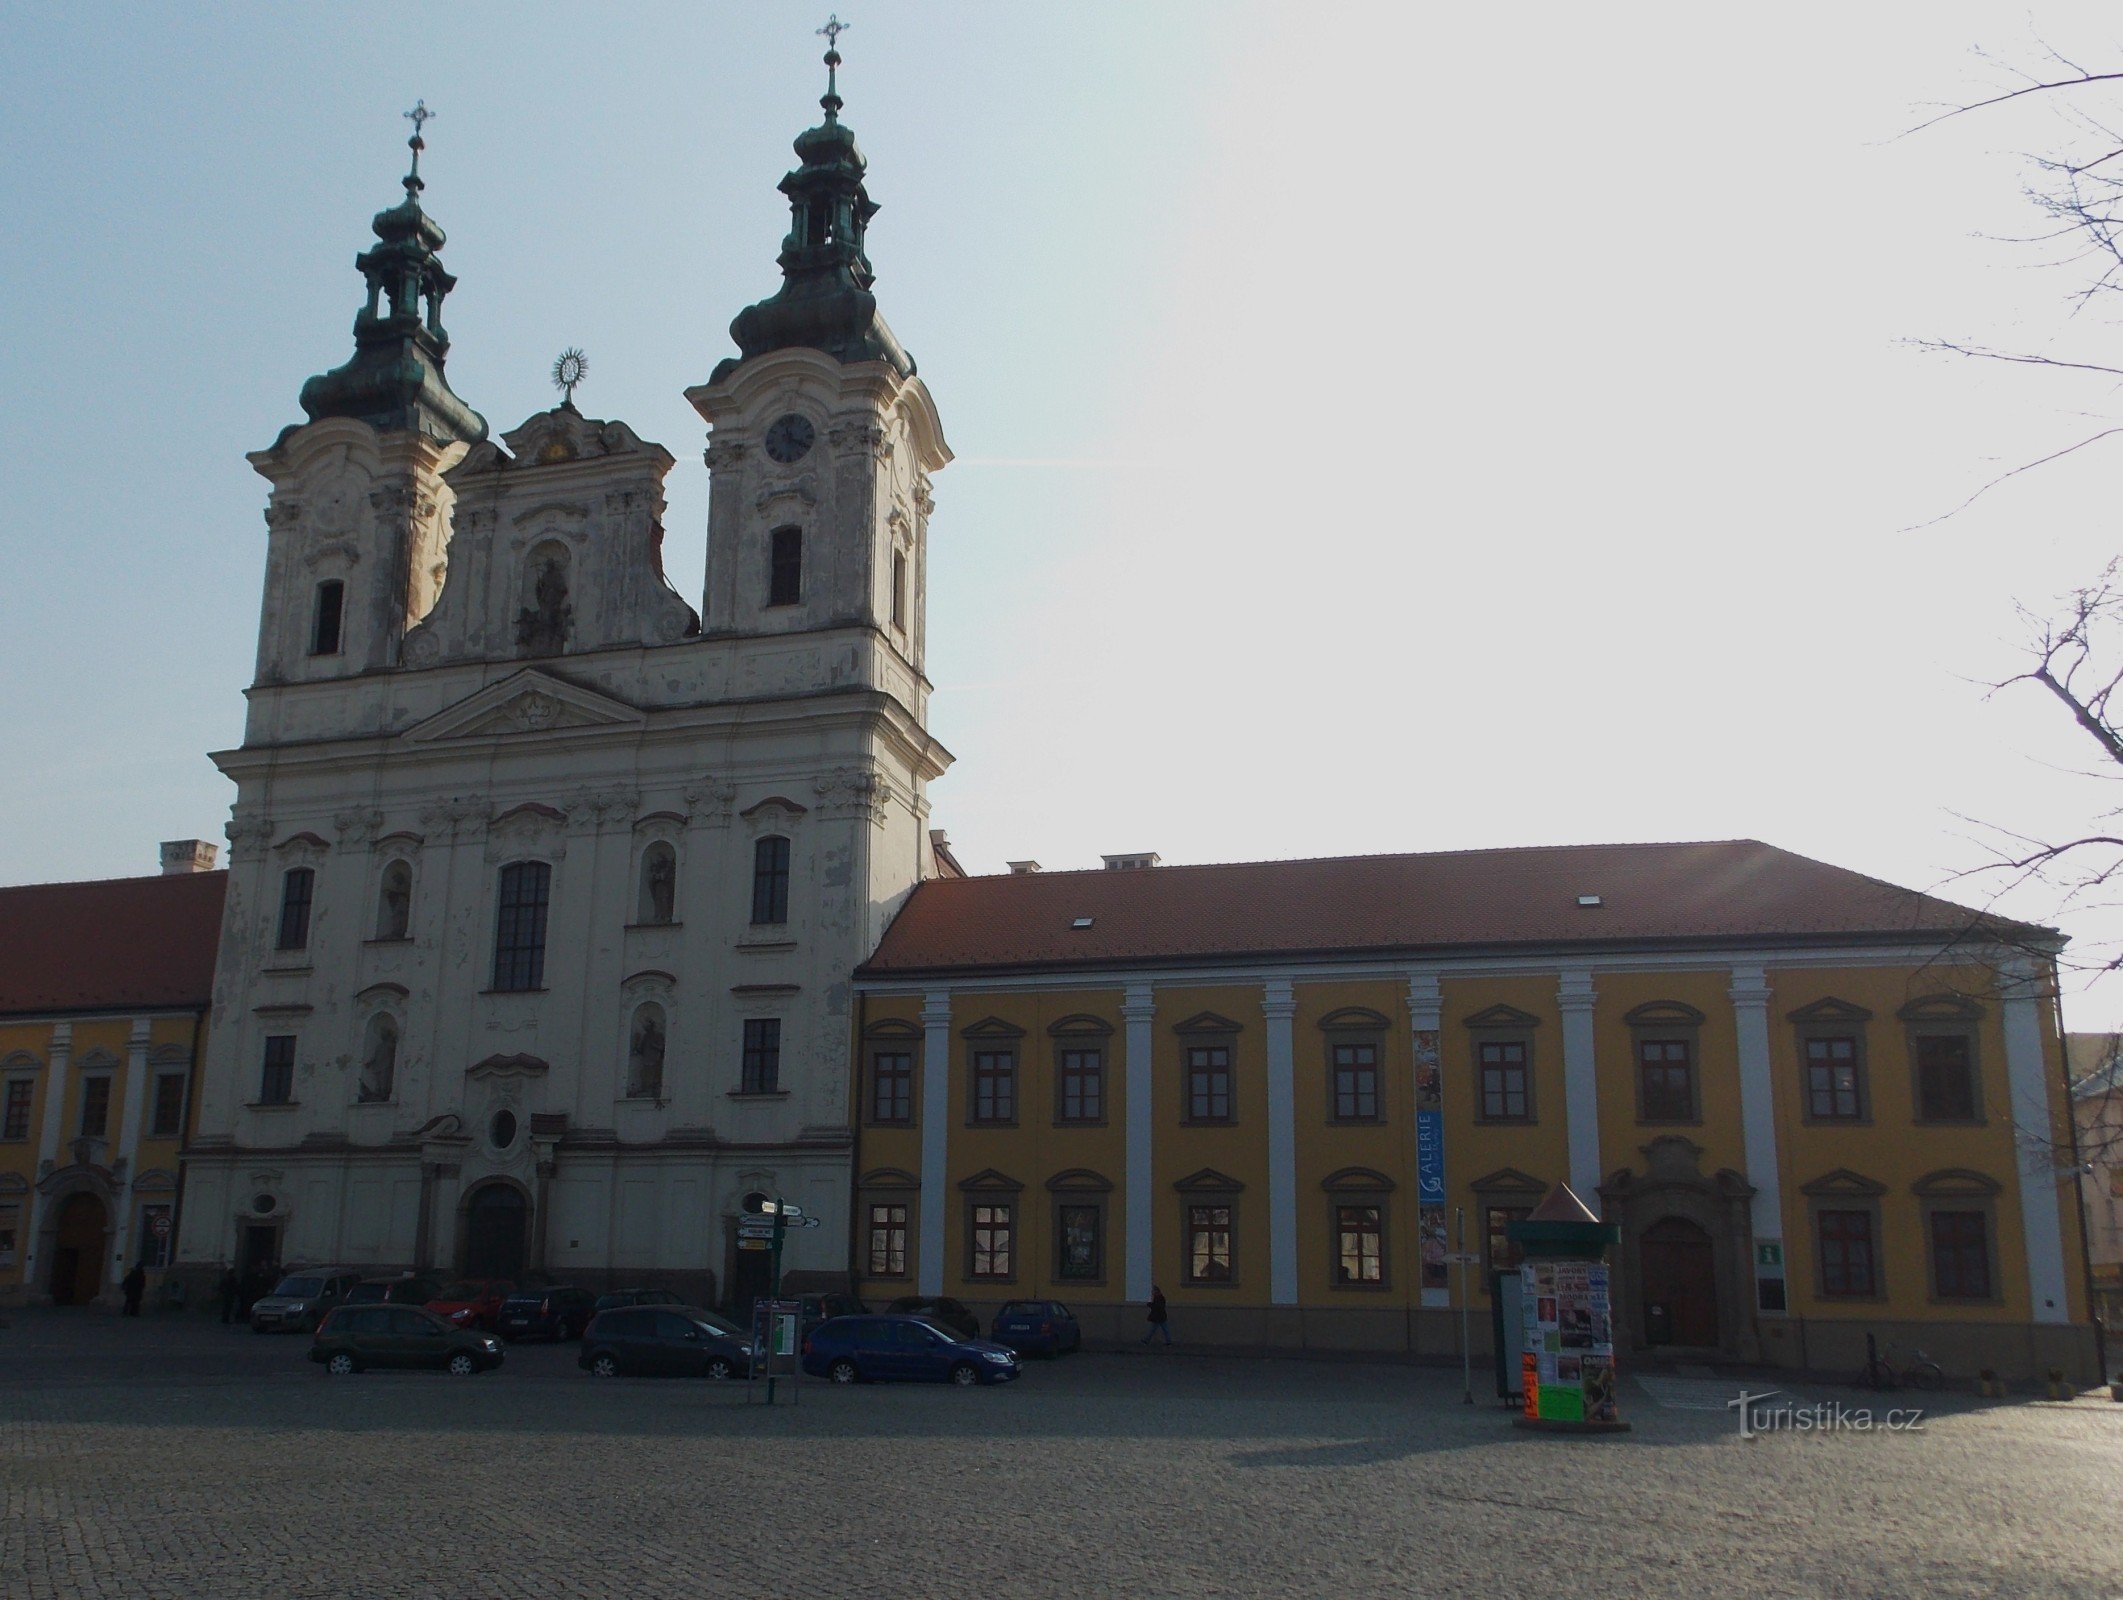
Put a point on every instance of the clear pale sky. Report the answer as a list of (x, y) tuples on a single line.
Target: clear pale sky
[(1379, 428)]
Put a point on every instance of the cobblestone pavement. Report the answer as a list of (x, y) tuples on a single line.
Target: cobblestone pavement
[(178, 1458)]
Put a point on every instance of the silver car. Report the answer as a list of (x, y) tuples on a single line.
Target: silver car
[(302, 1299)]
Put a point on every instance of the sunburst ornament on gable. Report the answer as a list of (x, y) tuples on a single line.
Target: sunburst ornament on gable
[(568, 371)]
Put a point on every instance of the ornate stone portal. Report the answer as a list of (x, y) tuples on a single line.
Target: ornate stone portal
[(1683, 1268)]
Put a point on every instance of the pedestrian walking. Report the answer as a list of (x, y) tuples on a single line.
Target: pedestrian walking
[(1160, 1326), (134, 1283), (230, 1286)]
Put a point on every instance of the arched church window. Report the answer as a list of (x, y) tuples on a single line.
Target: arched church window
[(770, 880), (379, 1060), (785, 568), (296, 889), (659, 884), (394, 902), (325, 617), (645, 1048)]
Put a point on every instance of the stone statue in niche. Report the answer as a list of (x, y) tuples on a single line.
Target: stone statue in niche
[(381, 1064), (662, 873), (646, 1069), (395, 915), (542, 629)]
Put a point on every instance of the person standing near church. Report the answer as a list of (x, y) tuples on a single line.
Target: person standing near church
[(134, 1283), (1160, 1326)]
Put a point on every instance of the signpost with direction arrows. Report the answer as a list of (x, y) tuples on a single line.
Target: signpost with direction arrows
[(765, 1223)]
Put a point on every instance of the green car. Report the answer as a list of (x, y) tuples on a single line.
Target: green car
[(354, 1337)]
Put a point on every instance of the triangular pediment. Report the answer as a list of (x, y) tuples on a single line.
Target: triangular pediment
[(1843, 1182), (526, 702), (1208, 1181)]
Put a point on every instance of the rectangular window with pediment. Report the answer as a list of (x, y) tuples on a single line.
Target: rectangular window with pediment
[(1208, 1243), (1079, 1242), (1960, 1255), (1844, 1237), (995, 1085), (1502, 1039), (991, 1239), (888, 1240), (1945, 1065), (20, 1092), (892, 1085), (1833, 1077), (1209, 1083), (1664, 1037)]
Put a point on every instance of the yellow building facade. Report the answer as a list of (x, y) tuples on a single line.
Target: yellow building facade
[(104, 996), (1806, 1134)]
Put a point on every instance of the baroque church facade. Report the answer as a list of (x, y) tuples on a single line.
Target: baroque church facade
[(545, 887)]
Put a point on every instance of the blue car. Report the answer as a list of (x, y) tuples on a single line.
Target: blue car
[(881, 1349), (1036, 1327)]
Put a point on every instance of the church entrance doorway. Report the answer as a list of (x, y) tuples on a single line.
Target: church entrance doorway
[(78, 1244), (1678, 1273), (496, 1232)]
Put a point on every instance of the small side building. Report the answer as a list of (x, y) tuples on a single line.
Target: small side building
[(2097, 1107), (1291, 1093), (105, 989)]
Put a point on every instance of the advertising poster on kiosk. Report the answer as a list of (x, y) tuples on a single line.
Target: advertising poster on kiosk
[(1569, 1341)]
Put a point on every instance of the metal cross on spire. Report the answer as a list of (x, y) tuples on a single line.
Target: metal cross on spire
[(831, 33), (419, 117)]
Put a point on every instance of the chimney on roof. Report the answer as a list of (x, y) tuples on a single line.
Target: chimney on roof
[(181, 856), (1022, 869), (1133, 863)]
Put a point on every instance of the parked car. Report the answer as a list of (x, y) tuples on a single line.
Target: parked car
[(1036, 1327), (949, 1313), (403, 1290), (472, 1302), (664, 1341), (556, 1313), (879, 1349), (354, 1337), (302, 1299), (638, 1297)]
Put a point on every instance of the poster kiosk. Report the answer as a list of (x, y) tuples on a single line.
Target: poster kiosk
[(1566, 1351)]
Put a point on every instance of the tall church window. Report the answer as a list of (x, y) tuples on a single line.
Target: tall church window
[(276, 1073), (379, 1061), (659, 885), (899, 590), (325, 617), (785, 568), (645, 1051), (770, 880), (296, 890), (519, 926), (762, 1057), (95, 1107), (394, 902)]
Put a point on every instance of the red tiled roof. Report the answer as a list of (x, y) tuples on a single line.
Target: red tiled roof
[(1722, 892), (119, 944)]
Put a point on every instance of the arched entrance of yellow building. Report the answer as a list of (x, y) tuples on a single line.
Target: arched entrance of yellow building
[(1677, 1281), (1684, 1262), (79, 1240)]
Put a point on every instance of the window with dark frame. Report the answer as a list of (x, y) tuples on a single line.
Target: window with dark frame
[(1505, 1252), (1960, 1255), (1078, 1247), (168, 1121), (95, 1106), (1209, 1244), (520, 925), (1832, 1089), (995, 1086), (297, 886), (992, 1239), (899, 590), (276, 1077), (1083, 1084), (770, 880), (1209, 1083), (1946, 1077), (1355, 1080), (1360, 1245), (761, 1072), (1502, 1067), (892, 1086), (785, 568), (19, 1093), (1846, 1250), (1665, 1080), (325, 617), (888, 1241)]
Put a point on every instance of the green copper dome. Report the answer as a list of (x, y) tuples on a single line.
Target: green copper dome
[(824, 302), (395, 379)]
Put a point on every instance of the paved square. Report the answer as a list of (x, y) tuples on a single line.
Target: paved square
[(164, 1458)]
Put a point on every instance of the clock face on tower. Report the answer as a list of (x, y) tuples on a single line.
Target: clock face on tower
[(790, 437)]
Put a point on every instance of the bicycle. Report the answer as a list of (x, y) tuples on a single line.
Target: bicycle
[(1880, 1372)]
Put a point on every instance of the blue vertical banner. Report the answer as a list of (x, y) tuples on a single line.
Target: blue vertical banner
[(1430, 1157)]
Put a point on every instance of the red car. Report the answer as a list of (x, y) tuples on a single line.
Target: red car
[(472, 1302)]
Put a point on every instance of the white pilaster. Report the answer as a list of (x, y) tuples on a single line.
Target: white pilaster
[(1581, 1085), (2033, 1127), (128, 1138), (935, 1137), (1279, 1006), (58, 1058), (1750, 995), (1137, 1010)]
